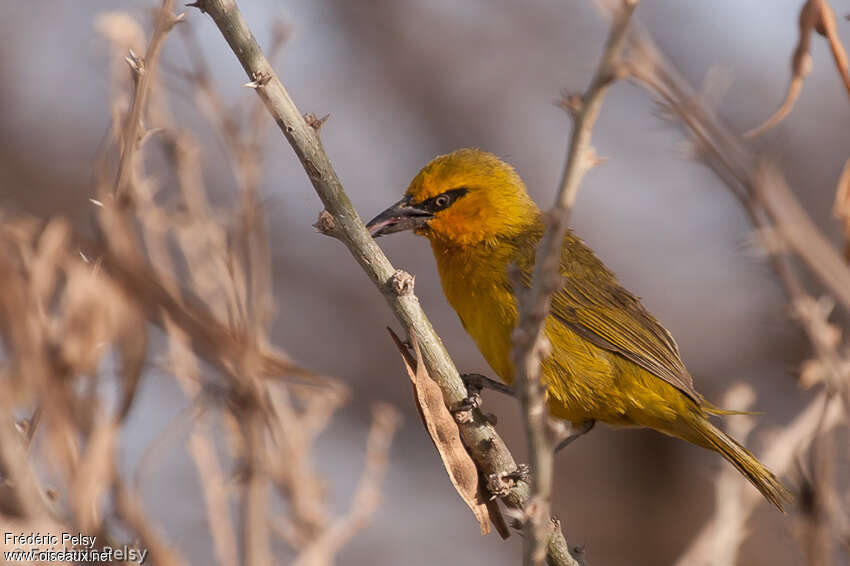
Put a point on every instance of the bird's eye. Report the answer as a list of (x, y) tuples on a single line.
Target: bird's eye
[(443, 201)]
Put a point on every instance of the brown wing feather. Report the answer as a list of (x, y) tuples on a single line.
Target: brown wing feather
[(594, 305)]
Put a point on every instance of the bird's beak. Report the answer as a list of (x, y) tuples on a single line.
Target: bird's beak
[(397, 218)]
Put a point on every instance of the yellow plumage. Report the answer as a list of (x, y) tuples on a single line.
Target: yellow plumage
[(611, 360)]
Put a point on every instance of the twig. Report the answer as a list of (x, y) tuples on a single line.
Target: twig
[(760, 188), (820, 497), (801, 66), (486, 447), (815, 15), (319, 552), (68, 303), (129, 510), (255, 539), (780, 457), (529, 341), (841, 208), (27, 497), (145, 70), (291, 470), (801, 233), (724, 153), (731, 520), (215, 493), (827, 27), (770, 205), (212, 339)]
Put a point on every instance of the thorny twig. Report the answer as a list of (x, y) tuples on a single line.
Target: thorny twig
[(486, 447), (760, 188), (530, 344), (822, 413), (771, 206), (145, 71), (731, 518), (815, 15), (320, 551), (67, 301), (841, 208)]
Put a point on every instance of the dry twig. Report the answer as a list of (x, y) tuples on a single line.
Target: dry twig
[(385, 420), (780, 457), (815, 15), (68, 303), (530, 345), (730, 515), (841, 208), (485, 446), (771, 206)]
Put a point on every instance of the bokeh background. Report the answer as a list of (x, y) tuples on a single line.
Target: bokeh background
[(405, 80)]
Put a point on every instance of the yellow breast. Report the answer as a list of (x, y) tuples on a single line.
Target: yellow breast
[(475, 284)]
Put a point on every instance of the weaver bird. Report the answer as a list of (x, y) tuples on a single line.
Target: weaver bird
[(611, 361)]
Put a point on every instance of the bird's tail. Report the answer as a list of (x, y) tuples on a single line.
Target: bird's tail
[(762, 478)]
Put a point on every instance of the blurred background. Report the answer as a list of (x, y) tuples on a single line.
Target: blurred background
[(405, 80)]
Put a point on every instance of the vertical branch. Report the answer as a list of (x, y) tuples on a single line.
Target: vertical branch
[(130, 511), (841, 208), (731, 518), (822, 413), (828, 28), (342, 221), (145, 70), (255, 540), (319, 552), (770, 204), (530, 343)]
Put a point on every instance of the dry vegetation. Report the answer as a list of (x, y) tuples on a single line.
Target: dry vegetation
[(79, 318)]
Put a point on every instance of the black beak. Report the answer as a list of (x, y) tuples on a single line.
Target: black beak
[(397, 218)]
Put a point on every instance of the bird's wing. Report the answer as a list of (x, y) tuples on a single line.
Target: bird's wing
[(592, 304)]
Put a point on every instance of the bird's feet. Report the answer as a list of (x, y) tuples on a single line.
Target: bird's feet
[(477, 382), (499, 485), (572, 432), (462, 411)]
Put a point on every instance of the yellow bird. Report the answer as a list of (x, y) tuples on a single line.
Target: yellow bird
[(611, 361)]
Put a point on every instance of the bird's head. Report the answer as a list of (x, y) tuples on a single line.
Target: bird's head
[(462, 198)]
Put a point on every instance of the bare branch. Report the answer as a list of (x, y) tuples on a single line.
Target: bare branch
[(827, 27), (780, 457), (771, 206), (131, 513), (729, 514), (841, 208), (530, 343), (385, 420), (255, 537), (815, 15), (486, 447), (145, 70)]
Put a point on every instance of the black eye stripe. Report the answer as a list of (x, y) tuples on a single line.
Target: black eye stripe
[(450, 196)]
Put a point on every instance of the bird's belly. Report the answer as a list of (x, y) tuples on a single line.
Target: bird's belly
[(585, 382), (577, 373), (489, 319)]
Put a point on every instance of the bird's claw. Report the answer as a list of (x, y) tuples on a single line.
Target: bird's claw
[(462, 411), (574, 432), (477, 382), (500, 484)]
